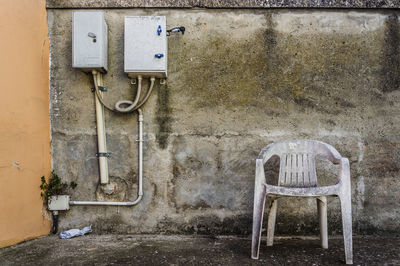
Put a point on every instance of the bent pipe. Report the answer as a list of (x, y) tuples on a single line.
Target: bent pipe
[(140, 146)]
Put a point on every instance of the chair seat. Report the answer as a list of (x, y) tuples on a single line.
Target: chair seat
[(302, 192)]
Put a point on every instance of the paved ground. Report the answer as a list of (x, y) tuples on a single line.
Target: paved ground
[(187, 250)]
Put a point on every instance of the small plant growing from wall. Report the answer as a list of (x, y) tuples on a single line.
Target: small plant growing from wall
[(53, 190), (54, 187)]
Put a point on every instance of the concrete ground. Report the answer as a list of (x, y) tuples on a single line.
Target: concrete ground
[(188, 250)]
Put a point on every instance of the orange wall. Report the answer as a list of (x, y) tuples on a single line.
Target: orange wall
[(24, 119)]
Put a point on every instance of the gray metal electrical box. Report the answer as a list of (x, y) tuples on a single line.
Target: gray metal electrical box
[(145, 46), (89, 41)]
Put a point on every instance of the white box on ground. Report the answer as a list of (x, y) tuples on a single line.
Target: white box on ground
[(145, 50), (89, 41), (58, 203)]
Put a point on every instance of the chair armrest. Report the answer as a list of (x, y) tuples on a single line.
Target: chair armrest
[(344, 171), (260, 175), (266, 153)]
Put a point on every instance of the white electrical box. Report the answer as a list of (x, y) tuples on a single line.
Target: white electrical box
[(58, 203), (145, 50), (89, 41)]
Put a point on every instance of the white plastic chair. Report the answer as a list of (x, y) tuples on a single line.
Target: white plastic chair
[(298, 178)]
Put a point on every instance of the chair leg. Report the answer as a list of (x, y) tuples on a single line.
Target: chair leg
[(345, 201), (273, 203), (323, 221), (258, 212)]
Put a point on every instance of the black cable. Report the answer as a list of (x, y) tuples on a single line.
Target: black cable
[(54, 227), (176, 29)]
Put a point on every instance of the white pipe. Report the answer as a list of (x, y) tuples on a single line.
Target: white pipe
[(101, 138), (119, 105), (133, 105), (101, 135), (104, 127), (140, 140), (140, 176), (107, 203)]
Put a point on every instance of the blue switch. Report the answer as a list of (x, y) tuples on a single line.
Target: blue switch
[(159, 55), (159, 30)]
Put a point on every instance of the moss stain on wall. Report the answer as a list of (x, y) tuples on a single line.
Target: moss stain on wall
[(163, 117), (391, 55)]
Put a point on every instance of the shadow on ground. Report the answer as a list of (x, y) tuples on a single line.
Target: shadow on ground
[(186, 250)]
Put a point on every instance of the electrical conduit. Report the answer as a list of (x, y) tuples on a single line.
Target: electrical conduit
[(133, 106), (101, 135)]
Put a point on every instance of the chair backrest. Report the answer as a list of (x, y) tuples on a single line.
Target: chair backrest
[(297, 160)]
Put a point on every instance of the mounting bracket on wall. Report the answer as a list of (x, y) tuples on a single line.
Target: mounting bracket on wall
[(100, 88), (103, 154)]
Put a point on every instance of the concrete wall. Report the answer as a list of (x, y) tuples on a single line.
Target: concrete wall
[(24, 119), (239, 79)]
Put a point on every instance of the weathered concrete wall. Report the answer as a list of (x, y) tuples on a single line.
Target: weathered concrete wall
[(24, 119), (238, 80), (223, 4)]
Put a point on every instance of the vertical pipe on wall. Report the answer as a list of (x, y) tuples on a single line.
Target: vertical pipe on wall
[(140, 140), (101, 134), (140, 176), (102, 145), (104, 129)]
